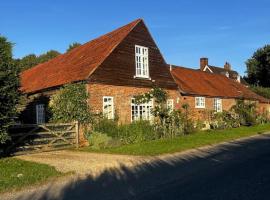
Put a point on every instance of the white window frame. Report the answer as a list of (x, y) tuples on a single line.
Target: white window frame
[(40, 113), (104, 104), (170, 105), (141, 62), (217, 104), (199, 102), (142, 112)]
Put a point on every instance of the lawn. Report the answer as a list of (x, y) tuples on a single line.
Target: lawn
[(17, 173), (182, 143)]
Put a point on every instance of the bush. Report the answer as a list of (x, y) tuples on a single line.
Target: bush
[(99, 140), (70, 103), (263, 91), (246, 112), (128, 133), (223, 120)]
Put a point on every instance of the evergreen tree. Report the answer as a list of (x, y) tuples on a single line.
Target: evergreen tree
[(9, 84)]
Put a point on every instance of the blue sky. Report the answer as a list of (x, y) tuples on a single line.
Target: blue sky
[(184, 30)]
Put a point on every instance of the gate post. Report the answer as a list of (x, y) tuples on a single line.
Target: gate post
[(77, 134)]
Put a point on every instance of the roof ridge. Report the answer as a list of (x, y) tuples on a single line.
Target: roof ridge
[(116, 45), (81, 46), (77, 64)]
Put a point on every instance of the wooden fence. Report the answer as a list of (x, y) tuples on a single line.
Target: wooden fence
[(30, 138)]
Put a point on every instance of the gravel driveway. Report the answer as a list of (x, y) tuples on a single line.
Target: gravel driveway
[(83, 162)]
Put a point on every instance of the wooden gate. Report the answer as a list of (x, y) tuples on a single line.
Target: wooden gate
[(31, 138)]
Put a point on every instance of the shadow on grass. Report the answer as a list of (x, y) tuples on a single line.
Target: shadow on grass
[(229, 171)]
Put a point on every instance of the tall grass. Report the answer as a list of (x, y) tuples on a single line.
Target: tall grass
[(127, 133)]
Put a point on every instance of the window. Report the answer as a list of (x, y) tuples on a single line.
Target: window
[(40, 114), (141, 60), (199, 102), (108, 107), (170, 106), (141, 111), (217, 105)]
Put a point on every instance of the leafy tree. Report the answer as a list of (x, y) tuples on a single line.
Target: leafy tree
[(258, 67), (32, 60), (48, 56), (9, 83), (72, 46), (70, 103)]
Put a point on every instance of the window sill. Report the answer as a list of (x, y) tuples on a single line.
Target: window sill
[(142, 77), (200, 107)]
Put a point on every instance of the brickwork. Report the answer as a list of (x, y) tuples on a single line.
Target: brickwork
[(122, 98)]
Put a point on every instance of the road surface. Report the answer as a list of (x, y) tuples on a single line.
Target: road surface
[(235, 170)]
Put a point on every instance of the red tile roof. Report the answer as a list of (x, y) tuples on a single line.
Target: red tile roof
[(195, 82), (75, 65)]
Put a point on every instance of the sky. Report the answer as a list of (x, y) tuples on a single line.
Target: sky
[(184, 30)]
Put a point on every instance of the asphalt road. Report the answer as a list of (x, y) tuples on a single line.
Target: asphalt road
[(236, 170)]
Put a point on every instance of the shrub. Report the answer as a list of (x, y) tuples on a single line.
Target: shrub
[(246, 112), (263, 91), (127, 133), (223, 120), (70, 104), (99, 140)]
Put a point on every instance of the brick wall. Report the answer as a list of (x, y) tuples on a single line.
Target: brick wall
[(122, 98), (203, 113)]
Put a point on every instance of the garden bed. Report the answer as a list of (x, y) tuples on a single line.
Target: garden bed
[(16, 173), (178, 144)]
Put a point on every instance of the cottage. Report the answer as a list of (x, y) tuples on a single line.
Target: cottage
[(205, 91), (115, 66), (119, 65)]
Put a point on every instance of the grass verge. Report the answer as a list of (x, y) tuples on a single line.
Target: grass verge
[(16, 173), (195, 140)]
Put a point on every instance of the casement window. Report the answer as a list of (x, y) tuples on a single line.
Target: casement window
[(199, 102), (40, 114), (108, 107), (141, 62), (217, 105), (170, 105), (141, 111)]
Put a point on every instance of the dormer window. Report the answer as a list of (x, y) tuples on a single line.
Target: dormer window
[(141, 62)]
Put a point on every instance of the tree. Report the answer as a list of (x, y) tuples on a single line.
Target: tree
[(258, 67), (70, 103), (72, 46), (33, 60), (9, 84)]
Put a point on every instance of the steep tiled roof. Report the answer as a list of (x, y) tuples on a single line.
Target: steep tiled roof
[(195, 82), (75, 65)]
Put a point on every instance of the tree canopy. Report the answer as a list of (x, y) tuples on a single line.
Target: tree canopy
[(258, 67), (72, 46), (31, 60), (9, 84)]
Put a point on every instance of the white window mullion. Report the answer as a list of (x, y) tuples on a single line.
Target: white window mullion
[(141, 111), (141, 60), (108, 107)]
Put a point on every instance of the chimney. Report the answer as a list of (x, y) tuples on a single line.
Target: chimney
[(203, 63), (227, 66)]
